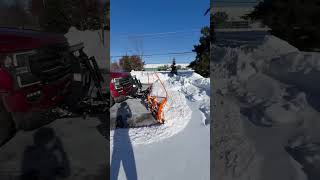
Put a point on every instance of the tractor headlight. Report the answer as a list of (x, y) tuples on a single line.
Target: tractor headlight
[(116, 81), (8, 62), (21, 61), (22, 69)]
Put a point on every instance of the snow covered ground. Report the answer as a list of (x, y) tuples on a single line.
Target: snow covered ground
[(178, 149), (264, 95), (79, 140)]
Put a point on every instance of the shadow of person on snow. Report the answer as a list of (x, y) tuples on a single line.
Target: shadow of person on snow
[(46, 158), (122, 147)]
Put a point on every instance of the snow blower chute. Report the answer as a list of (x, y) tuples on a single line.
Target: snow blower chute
[(155, 102)]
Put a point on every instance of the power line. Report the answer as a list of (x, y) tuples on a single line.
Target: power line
[(160, 54), (182, 36), (163, 35), (153, 50), (160, 33), (186, 58)]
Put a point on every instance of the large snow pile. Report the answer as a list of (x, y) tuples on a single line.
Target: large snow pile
[(192, 85), (263, 77), (177, 113), (239, 62), (269, 87), (197, 89), (93, 45)]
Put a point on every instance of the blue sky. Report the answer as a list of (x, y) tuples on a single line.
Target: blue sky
[(156, 27)]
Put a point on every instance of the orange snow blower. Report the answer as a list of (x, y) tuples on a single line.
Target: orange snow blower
[(156, 103)]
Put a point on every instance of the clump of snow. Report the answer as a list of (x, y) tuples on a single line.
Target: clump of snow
[(93, 44)]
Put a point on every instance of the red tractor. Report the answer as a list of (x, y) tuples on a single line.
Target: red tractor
[(43, 78), (123, 86)]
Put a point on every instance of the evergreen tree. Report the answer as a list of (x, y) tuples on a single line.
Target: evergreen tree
[(201, 64), (174, 67)]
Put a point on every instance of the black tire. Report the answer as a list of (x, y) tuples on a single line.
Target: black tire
[(7, 126)]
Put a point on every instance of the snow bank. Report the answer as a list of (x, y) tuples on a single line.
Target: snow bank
[(93, 45), (177, 113), (274, 55), (195, 87), (262, 75), (271, 87)]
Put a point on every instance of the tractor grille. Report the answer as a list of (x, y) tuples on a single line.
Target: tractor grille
[(124, 84), (50, 64)]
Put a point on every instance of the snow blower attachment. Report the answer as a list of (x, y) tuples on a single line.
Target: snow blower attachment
[(146, 101), (155, 102)]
